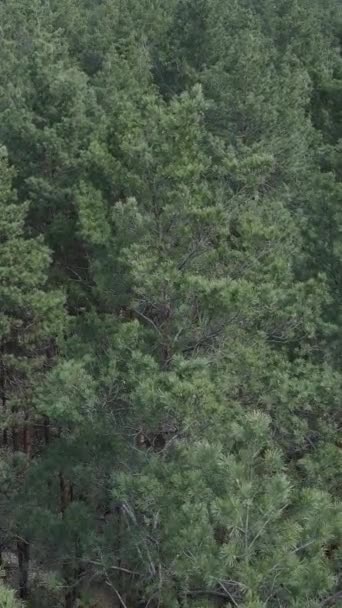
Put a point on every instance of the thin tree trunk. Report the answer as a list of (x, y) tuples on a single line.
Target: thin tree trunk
[(70, 573), (66, 493), (23, 546), (119, 543), (79, 570), (15, 439), (3, 395), (70, 594), (46, 430), (27, 438), (23, 554)]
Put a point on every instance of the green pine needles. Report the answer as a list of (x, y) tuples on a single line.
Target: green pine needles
[(170, 317)]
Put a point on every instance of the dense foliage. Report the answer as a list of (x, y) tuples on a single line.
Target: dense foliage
[(170, 303)]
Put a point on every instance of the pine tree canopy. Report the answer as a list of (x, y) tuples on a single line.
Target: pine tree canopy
[(170, 304)]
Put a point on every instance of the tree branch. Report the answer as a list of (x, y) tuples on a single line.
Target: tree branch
[(332, 600), (221, 594)]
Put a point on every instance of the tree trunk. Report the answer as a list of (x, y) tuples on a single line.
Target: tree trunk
[(121, 586), (23, 554), (46, 430), (15, 439), (70, 594), (3, 396), (70, 573), (27, 438)]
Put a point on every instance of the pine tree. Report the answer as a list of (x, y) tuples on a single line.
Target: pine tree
[(175, 156), (212, 314), (31, 322)]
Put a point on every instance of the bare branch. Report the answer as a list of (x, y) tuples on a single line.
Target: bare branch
[(230, 597), (147, 319), (122, 603), (199, 592), (332, 600)]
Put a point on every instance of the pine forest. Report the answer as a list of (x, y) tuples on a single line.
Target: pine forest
[(171, 303)]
